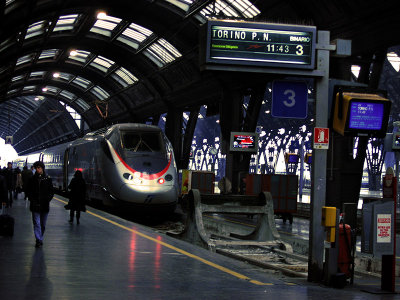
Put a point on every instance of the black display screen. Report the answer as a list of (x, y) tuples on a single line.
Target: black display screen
[(261, 44), (243, 141), (293, 158)]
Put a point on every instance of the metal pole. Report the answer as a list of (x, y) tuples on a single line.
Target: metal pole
[(301, 170), (318, 191)]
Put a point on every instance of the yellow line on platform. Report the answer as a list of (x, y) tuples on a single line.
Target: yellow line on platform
[(221, 268)]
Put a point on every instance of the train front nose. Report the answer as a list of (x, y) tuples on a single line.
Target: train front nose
[(148, 194)]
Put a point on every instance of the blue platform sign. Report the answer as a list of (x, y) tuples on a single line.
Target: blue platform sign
[(289, 99)]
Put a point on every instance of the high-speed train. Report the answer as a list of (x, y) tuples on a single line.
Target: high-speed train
[(125, 165)]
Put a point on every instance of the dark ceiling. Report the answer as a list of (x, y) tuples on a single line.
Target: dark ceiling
[(142, 58)]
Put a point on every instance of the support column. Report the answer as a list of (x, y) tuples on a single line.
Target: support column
[(230, 120), (173, 130), (316, 241)]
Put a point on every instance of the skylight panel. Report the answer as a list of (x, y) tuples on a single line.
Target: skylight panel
[(29, 88), (37, 74), (52, 90), (99, 93), (82, 104), (124, 77), (63, 76), (3, 69), (225, 8), (36, 29), (182, 4), (66, 22), (231, 8), (81, 82), (7, 43), (162, 52), (105, 25), (101, 63), (171, 49), (247, 9), (50, 53), (79, 56), (12, 91), (394, 60), (134, 35), (17, 78), (67, 94), (25, 59)]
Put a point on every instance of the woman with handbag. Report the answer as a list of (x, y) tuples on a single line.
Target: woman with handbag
[(77, 196)]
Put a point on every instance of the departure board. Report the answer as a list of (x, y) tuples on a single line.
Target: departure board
[(260, 44), (365, 115)]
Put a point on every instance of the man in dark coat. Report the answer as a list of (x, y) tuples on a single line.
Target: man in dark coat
[(10, 182), (3, 190), (77, 196), (40, 192), (26, 175)]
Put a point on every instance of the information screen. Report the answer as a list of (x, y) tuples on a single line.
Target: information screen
[(243, 141), (293, 158), (367, 116), (260, 44)]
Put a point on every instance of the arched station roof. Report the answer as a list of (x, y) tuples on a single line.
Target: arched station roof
[(140, 57)]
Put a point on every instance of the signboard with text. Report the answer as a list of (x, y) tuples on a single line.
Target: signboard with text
[(383, 225), (289, 99), (260, 44), (321, 138)]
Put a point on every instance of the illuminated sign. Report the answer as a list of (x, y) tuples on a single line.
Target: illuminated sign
[(260, 44), (308, 158), (291, 158), (361, 114), (364, 115), (244, 141)]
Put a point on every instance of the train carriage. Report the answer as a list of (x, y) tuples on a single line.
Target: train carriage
[(127, 165)]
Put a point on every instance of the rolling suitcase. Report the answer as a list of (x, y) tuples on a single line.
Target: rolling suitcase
[(6, 223)]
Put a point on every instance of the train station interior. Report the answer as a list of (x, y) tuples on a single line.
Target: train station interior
[(280, 133)]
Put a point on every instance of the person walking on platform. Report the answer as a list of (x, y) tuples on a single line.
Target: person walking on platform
[(77, 196), (40, 192), (18, 182), (3, 190), (10, 182), (26, 175)]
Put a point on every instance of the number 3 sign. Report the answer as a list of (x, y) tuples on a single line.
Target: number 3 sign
[(289, 99)]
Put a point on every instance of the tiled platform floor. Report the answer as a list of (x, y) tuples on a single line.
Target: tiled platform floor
[(106, 257)]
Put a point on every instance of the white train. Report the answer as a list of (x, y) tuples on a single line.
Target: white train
[(125, 165)]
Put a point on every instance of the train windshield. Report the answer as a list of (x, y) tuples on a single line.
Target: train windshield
[(142, 141)]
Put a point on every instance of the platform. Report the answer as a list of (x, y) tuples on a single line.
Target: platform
[(106, 257)]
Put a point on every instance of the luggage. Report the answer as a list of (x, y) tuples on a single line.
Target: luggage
[(6, 224)]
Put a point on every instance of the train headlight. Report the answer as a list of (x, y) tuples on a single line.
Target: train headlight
[(137, 181), (161, 180), (168, 177)]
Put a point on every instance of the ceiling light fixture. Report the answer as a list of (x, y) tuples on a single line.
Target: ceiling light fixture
[(73, 53), (56, 75), (101, 15)]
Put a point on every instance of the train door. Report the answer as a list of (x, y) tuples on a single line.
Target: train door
[(65, 169)]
